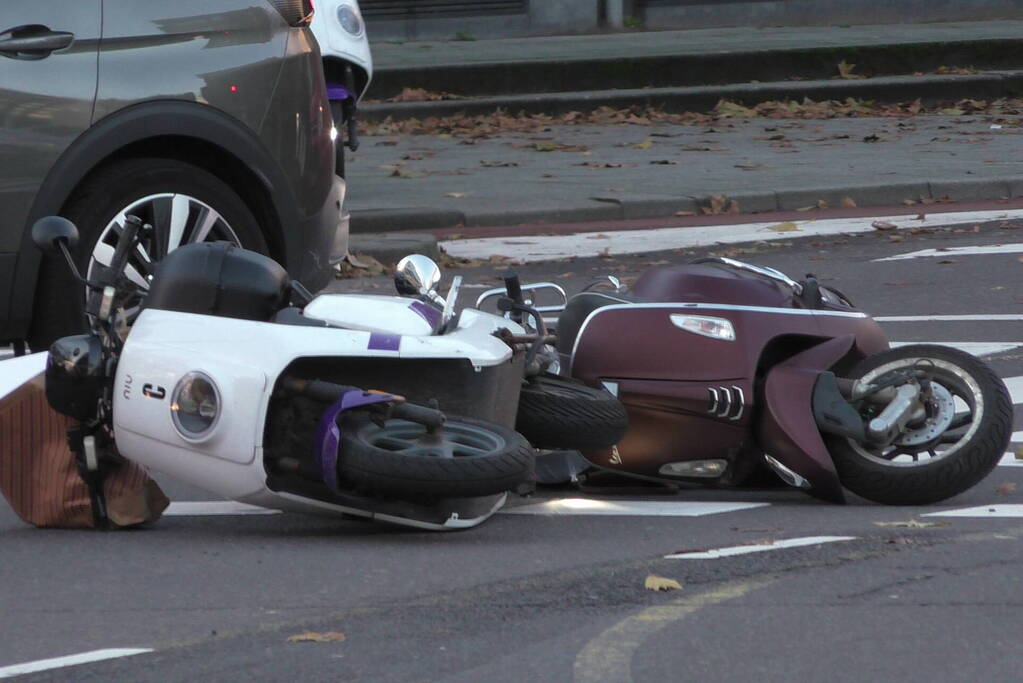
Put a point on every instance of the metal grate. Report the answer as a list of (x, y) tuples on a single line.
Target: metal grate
[(394, 9)]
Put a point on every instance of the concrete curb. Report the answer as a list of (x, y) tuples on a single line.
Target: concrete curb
[(601, 72), (930, 89), (391, 247), (657, 206)]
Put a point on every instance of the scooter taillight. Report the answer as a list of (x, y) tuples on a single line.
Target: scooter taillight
[(295, 12)]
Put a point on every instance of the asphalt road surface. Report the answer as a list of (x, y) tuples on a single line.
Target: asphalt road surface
[(556, 592)]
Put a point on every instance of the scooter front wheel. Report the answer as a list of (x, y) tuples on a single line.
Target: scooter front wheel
[(956, 441), (466, 457), (561, 413)]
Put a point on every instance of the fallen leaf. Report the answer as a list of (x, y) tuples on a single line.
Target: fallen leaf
[(845, 70), (685, 213), (498, 164), (787, 226), (646, 144), (912, 524), (316, 637), (848, 203), (872, 138), (665, 162), (749, 167), (883, 225), (660, 583), (1005, 489), (455, 195), (946, 261)]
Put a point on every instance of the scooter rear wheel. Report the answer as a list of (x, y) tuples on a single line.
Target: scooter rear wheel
[(467, 457), (967, 429)]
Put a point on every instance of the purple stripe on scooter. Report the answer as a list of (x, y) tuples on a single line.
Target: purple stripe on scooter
[(328, 434), (426, 312), (337, 92), (378, 341)]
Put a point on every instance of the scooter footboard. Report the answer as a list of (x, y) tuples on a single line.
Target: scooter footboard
[(787, 430)]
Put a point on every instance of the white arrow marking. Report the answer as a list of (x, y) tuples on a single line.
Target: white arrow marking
[(1003, 510), (215, 507), (974, 348), (629, 508), (69, 660), (957, 251), (982, 317), (756, 547)]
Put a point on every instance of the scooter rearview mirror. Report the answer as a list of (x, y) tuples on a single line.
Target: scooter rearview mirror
[(417, 275), (49, 231), (57, 235)]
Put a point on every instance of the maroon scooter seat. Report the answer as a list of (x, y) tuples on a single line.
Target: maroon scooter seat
[(578, 309)]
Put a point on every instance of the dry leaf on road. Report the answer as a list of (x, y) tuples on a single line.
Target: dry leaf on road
[(646, 144), (659, 583), (787, 226), (316, 637), (883, 225), (498, 164), (454, 195), (1006, 488)]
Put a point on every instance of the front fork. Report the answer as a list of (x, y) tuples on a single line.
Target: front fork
[(834, 403)]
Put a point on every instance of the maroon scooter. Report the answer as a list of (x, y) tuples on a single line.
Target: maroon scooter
[(724, 367)]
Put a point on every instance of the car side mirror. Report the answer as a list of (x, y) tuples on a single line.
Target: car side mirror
[(50, 231)]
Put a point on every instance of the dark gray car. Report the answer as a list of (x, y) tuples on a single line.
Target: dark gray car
[(206, 118)]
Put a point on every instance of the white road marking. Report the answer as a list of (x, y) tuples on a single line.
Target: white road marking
[(551, 247), (1009, 460), (1002, 510), (957, 251), (69, 660), (756, 548), (975, 317), (1015, 386), (631, 508), (16, 371), (215, 507), (974, 348)]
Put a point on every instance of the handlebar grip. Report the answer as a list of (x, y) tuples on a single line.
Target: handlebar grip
[(125, 243), (513, 287)]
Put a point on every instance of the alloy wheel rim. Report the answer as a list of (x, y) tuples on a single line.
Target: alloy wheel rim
[(177, 219), (967, 419), (456, 439)]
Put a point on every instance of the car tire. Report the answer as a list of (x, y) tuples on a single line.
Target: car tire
[(120, 186)]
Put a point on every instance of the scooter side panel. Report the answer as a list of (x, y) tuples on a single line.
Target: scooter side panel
[(787, 430)]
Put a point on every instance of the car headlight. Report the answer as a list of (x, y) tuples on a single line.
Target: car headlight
[(195, 406), (350, 19)]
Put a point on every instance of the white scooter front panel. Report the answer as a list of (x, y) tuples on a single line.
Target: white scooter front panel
[(243, 360)]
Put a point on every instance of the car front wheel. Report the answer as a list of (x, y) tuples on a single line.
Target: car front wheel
[(184, 204)]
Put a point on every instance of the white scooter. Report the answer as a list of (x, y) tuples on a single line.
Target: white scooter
[(236, 380), (347, 67)]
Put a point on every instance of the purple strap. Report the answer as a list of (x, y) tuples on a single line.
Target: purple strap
[(328, 436), (336, 91)]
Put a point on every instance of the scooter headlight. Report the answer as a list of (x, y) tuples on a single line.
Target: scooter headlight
[(705, 325), (195, 406), (350, 19)]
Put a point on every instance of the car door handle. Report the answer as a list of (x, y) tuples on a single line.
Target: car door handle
[(33, 41)]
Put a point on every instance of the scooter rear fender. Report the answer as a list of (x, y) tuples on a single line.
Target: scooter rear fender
[(787, 430)]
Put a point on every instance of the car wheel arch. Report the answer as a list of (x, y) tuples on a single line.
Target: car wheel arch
[(177, 129)]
